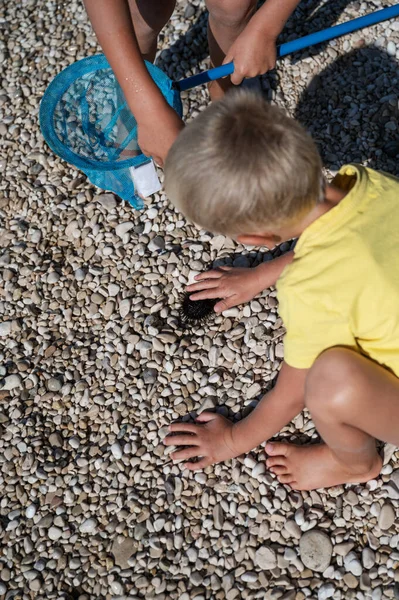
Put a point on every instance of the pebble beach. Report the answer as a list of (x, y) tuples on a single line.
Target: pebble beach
[(94, 363)]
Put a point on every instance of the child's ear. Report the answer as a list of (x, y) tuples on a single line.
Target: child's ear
[(254, 239)]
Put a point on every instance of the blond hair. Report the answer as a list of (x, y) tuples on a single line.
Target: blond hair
[(243, 166)]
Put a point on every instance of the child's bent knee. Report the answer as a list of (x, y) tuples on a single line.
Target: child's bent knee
[(150, 17), (231, 13), (332, 380)]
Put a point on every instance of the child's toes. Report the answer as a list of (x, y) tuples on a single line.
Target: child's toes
[(287, 479), (277, 449), (275, 460), (279, 470)]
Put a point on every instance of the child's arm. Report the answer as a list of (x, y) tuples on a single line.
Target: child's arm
[(158, 124), (217, 439), (238, 285), (254, 51)]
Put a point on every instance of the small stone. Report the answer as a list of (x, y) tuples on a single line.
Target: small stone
[(293, 529), (56, 440), (80, 274), (124, 308), (170, 485), (159, 524), (207, 404), (88, 526), (74, 442), (31, 574), (391, 49), (116, 451), (368, 558), (387, 517), (46, 521), (53, 384), (167, 337), (5, 574), (31, 511), (53, 277), (3, 589), (150, 376), (113, 289), (253, 390), (392, 490), (350, 581), (249, 577), (5, 328), (35, 585), (279, 350), (123, 228), (107, 201), (188, 13), (122, 549), (11, 382), (352, 564), (156, 244), (228, 354), (344, 548), (351, 498), (395, 477), (196, 578), (266, 558), (315, 549), (97, 298), (54, 533), (116, 588), (325, 591), (218, 516)]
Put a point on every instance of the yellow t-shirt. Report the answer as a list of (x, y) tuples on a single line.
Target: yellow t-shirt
[(342, 288)]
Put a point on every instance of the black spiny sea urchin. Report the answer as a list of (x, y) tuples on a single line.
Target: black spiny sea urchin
[(193, 312)]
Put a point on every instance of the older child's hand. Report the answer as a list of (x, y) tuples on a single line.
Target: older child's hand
[(211, 442), (253, 54), (235, 285)]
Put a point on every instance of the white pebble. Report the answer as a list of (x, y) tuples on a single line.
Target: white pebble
[(116, 451), (88, 526), (31, 511)]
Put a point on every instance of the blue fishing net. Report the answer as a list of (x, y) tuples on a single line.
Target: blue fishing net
[(85, 119)]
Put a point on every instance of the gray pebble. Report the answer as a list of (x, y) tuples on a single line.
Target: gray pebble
[(315, 549)]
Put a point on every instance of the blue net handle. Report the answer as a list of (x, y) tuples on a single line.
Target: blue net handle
[(300, 44)]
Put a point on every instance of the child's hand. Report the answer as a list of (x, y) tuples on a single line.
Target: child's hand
[(235, 285), (157, 132), (212, 441), (253, 54)]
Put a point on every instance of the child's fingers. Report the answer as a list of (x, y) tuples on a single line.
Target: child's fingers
[(206, 416), (225, 304), (214, 274), (207, 284), (189, 427), (212, 293), (181, 440), (187, 453)]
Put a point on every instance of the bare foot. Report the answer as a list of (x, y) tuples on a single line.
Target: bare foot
[(313, 467)]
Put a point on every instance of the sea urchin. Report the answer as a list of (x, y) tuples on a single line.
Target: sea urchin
[(193, 312)]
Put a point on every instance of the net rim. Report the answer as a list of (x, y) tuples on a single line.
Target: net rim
[(58, 87)]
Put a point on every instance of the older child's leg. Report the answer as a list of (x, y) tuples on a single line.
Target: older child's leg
[(353, 401), (149, 17), (227, 19)]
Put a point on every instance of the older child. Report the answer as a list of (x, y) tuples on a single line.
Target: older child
[(257, 177), (128, 30)]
